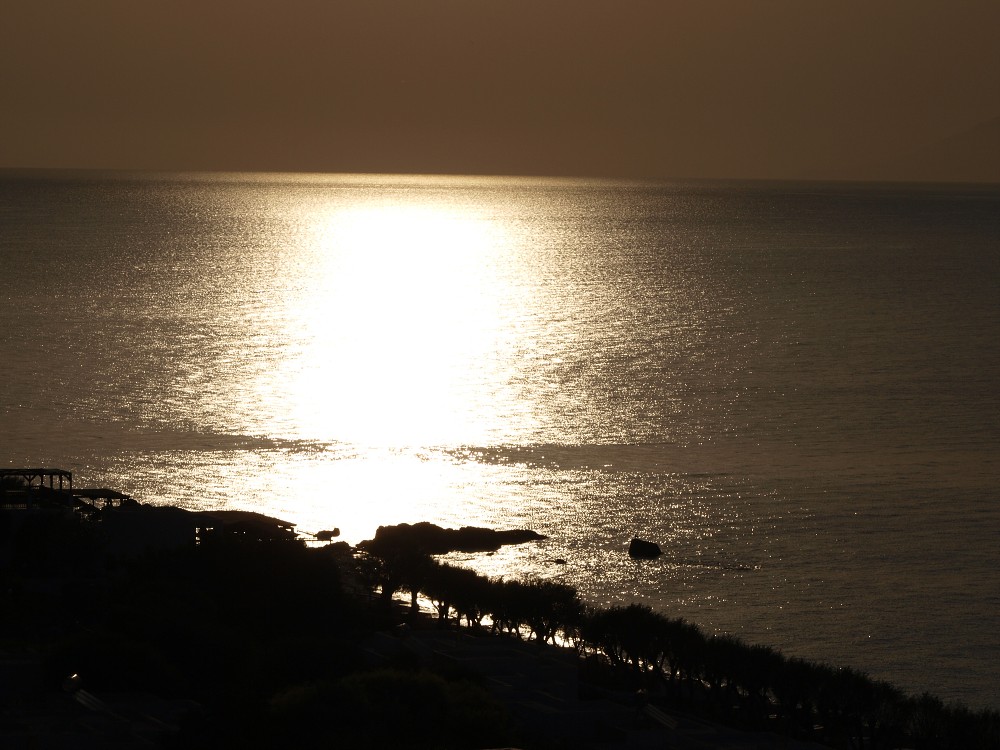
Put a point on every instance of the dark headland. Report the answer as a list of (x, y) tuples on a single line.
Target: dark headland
[(125, 625)]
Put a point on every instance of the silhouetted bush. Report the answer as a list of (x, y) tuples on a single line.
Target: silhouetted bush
[(390, 708)]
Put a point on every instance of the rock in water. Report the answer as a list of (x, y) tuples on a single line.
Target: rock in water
[(431, 539), (643, 550)]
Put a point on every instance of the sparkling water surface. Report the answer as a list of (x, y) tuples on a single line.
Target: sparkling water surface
[(792, 388)]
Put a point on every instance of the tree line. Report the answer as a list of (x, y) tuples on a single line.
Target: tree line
[(719, 677)]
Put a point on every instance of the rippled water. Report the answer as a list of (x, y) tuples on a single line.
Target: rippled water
[(792, 388)]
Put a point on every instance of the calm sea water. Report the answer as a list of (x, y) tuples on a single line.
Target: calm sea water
[(792, 388)]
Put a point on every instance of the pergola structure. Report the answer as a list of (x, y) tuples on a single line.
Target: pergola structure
[(34, 481), (30, 475)]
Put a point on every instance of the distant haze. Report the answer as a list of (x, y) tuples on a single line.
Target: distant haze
[(899, 89), (972, 155)]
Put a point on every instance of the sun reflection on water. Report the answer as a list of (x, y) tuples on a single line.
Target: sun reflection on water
[(399, 325)]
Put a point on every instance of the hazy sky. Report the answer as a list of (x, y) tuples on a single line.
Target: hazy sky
[(712, 88)]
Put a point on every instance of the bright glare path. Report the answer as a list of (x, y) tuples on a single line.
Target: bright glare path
[(395, 328)]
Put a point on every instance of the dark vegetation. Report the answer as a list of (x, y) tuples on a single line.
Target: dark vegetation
[(265, 637), (716, 677), (261, 638)]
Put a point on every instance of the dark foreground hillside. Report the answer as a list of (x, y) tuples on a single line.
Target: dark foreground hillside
[(259, 641)]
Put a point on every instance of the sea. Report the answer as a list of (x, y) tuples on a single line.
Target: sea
[(792, 388)]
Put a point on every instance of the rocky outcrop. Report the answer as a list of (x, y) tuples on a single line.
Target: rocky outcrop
[(431, 539), (640, 549)]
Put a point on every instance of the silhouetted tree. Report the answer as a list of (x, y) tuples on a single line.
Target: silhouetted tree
[(548, 606), (439, 587), (508, 609), (471, 594), (722, 655), (415, 573), (753, 671), (793, 689)]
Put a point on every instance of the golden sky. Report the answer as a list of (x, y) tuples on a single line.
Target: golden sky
[(663, 88)]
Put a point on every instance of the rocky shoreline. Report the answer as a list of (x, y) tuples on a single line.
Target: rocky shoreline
[(430, 539)]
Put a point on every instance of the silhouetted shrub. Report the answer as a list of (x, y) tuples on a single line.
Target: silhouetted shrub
[(391, 708)]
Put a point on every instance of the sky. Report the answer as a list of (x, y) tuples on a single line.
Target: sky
[(872, 89)]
